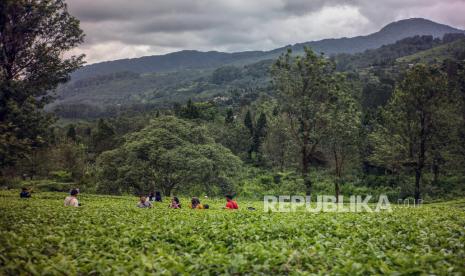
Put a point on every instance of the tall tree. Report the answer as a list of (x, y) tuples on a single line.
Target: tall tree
[(259, 133), (419, 112), (34, 35), (191, 111), (343, 128), (248, 122), (304, 85)]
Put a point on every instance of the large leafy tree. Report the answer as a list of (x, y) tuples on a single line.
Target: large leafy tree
[(304, 85), (169, 154), (34, 36), (414, 124)]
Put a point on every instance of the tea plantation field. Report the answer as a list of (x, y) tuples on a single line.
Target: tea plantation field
[(109, 235)]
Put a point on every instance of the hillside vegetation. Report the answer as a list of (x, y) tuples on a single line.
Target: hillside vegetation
[(160, 81), (451, 50), (231, 85)]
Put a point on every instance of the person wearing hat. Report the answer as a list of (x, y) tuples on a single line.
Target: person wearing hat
[(230, 203), (72, 200)]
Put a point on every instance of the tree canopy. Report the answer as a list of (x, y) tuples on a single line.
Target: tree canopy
[(416, 123), (169, 154), (34, 35)]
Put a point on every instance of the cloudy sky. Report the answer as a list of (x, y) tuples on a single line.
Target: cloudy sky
[(126, 29)]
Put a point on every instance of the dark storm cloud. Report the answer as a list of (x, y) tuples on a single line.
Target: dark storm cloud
[(121, 28)]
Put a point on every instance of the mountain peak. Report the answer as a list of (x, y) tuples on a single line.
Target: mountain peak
[(419, 26)]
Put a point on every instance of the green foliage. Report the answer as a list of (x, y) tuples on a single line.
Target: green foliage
[(306, 86), (35, 35), (417, 123), (52, 186), (169, 154), (233, 136), (61, 176), (386, 54), (104, 138), (225, 74), (229, 119), (206, 111), (451, 50), (248, 123), (344, 125), (259, 132), (128, 240)]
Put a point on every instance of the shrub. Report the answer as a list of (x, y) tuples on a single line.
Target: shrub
[(61, 176)]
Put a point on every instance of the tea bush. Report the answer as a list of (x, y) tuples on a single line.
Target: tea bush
[(109, 235)]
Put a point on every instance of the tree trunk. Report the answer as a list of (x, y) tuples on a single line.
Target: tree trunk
[(421, 160), (417, 185), (305, 170), (435, 171), (167, 191), (338, 173), (167, 188)]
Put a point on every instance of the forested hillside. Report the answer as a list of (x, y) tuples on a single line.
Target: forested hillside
[(104, 89), (106, 95)]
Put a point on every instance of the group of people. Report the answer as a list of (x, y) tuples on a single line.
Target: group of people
[(146, 202), (70, 200)]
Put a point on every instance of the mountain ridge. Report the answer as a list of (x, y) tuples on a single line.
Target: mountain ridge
[(194, 59), (234, 78)]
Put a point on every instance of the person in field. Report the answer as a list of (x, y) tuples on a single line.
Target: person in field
[(158, 197), (72, 200), (230, 203), (175, 204), (25, 193), (155, 196), (195, 203), (144, 203)]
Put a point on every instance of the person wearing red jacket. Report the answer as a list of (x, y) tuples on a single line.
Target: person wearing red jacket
[(231, 204)]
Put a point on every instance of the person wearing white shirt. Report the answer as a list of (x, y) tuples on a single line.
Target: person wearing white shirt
[(72, 200)]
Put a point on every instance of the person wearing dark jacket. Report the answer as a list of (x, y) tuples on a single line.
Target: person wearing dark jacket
[(158, 196), (25, 193)]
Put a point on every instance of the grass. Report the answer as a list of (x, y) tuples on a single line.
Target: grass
[(109, 235)]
